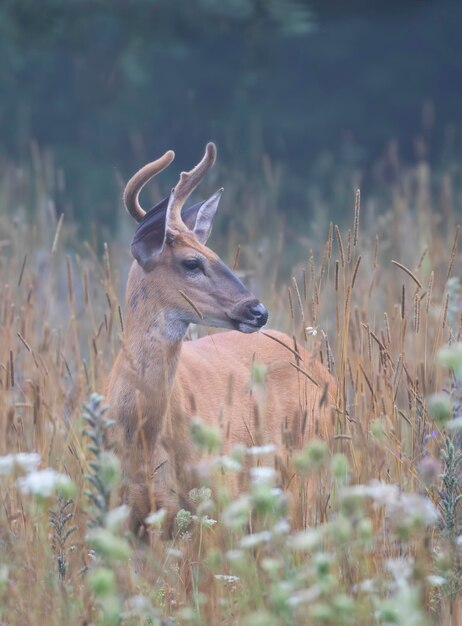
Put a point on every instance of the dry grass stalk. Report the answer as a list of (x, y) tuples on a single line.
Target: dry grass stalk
[(57, 343)]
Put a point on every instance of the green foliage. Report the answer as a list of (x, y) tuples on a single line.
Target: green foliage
[(183, 520), (102, 581), (109, 85), (340, 468), (104, 473), (440, 408), (205, 436), (103, 522), (450, 494), (107, 545), (312, 456)]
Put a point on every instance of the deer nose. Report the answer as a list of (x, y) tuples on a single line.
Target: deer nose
[(259, 313)]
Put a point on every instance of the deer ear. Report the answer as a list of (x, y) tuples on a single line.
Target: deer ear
[(203, 224), (149, 237)]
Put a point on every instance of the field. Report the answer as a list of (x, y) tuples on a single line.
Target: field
[(380, 303)]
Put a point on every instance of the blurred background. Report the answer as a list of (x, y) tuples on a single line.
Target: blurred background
[(309, 97)]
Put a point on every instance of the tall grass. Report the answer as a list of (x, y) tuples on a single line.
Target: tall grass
[(375, 304)]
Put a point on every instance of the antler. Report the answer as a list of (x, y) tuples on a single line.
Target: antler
[(138, 181), (186, 185)]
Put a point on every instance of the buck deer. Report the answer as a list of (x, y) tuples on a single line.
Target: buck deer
[(158, 381)]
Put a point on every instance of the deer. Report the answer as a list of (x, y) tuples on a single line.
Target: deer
[(159, 381)]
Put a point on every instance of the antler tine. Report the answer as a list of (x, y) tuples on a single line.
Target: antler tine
[(187, 183), (138, 181)]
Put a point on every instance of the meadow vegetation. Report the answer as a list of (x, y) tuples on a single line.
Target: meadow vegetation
[(378, 542)]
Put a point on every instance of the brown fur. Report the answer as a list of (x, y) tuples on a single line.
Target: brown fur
[(159, 382), (157, 385)]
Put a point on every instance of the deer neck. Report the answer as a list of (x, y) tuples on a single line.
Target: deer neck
[(153, 338)]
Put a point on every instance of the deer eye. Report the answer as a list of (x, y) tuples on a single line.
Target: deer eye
[(191, 264)]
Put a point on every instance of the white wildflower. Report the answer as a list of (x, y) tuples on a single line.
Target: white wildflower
[(174, 553), (459, 540), (401, 569), (262, 475), (311, 330), (137, 606), (25, 461), (227, 463), (156, 518), (305, 596), (116, 517), (43, 483), (259, 450), (436, 581), (235, 555), (413, 508), (282, 527), (355, 491), (230, 580), (201, 494), (368, 585), (403, 509), (255, 539), (272, 565), (236, 514), (382, 493), (205, 520), (306, 540), (455, 424)]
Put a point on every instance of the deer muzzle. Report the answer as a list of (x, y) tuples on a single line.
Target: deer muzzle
[(249, 316)]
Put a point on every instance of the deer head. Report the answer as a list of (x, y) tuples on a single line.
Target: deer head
[(174, 269)]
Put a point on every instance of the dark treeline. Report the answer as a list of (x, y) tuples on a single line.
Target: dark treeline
[(316, 85)]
